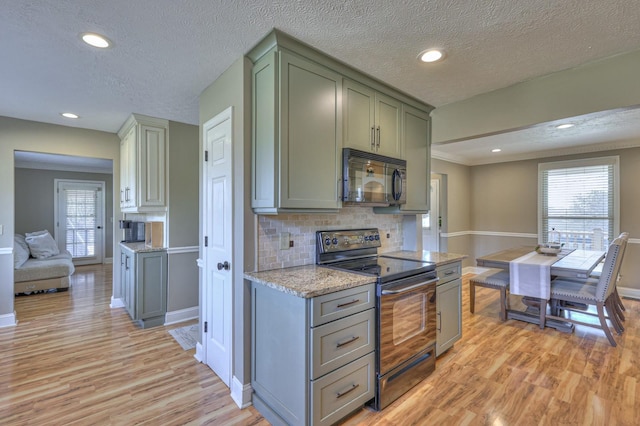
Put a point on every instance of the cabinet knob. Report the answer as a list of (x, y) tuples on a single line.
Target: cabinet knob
[(224, 266)]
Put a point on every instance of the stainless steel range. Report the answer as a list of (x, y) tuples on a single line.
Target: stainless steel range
[(405, 302)]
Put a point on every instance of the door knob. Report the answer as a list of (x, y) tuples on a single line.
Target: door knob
[(99, 227), (224, 266)]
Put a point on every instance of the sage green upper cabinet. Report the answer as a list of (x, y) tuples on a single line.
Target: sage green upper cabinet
[(142, 164), (297, 135), (372, 120), (416, 137)]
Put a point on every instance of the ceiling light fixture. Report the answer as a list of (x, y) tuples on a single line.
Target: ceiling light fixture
[(69, 115), (496, 150), (96, 40), (565, 126), (431, 55)]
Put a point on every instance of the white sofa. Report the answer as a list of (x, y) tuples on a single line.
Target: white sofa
[(33, 275)]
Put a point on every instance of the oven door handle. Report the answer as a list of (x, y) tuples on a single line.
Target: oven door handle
[(410, 287)]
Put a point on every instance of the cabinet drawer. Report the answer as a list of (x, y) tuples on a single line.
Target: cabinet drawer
[(333, 306), (339, 342), (449, 272), (339, 393)]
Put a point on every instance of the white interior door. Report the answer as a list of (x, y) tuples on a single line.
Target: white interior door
[(218, 283), (431, 222), (79, 220)]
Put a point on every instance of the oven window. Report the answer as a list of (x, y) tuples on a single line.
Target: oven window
[(409, 317)]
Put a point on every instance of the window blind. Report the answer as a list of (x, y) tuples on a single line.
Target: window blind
[(578, 200), (81, 222)]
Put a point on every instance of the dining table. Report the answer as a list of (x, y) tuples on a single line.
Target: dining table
[(531, 274)]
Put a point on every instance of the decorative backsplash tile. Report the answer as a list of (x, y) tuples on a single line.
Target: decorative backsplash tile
[(302, 229)]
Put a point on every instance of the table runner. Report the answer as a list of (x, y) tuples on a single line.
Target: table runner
[(530, 275)]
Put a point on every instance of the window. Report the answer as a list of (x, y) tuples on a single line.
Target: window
[(579, 199)]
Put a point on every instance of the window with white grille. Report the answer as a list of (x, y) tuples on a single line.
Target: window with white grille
[(580, 200)]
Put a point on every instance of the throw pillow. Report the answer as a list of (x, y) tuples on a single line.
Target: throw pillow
[(20, 251), (42, 245)]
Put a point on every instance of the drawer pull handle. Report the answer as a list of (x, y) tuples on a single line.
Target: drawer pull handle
[(449, 273), (353, 339), (353, 387), (342, 305)]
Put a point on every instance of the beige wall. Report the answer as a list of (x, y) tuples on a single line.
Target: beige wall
[(39, 137), (34, 201)]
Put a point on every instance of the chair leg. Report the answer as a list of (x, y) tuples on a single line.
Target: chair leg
[(472, 297), (619, 301), (503, 304), (610, 305), (543, 313), (604, 325)]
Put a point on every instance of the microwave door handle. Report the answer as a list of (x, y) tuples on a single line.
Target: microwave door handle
[(396, 177)]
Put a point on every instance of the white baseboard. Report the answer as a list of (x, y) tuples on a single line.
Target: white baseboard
[(8, 320), (632, 293), (182, 315), (116, 303), (107, 260), (240, 393), (199, 356)]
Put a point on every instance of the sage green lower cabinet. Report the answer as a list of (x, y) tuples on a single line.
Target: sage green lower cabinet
[(312, 360), (449, 306), (144, 286)]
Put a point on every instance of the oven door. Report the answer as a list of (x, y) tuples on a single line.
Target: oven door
[(407, 319)]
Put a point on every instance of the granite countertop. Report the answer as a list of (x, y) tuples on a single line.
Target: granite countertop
[(427, 256), (309, 280), (140, 247)]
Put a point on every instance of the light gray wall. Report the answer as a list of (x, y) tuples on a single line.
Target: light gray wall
[(34, 208), (233, 88), (40, 137)]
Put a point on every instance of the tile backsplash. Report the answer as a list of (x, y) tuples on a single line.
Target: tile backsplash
[(302, 230)]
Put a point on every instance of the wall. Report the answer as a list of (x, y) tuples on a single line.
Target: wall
[(34, 200), (302, 228), (233, 89), (39, 137)]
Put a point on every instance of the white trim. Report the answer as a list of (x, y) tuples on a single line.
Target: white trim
[(632, 293), (116, 303), (200, 263), (634, 240), (182, 315), (488, 234), (6, 250), (199, 355), (108, 260), (180, 250), (240, 393), (8, 320)]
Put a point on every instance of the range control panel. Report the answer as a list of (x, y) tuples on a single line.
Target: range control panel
[(336, 241)]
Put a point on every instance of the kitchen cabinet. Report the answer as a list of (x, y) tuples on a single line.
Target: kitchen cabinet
[(312, 359), (372, 121), (143, 164), (449, 306), (297, 135), (417, 145), (144, 285)]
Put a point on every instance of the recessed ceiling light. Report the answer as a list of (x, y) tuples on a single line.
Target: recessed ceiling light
[(565, 126), (96, 40), (496, 150), (431, 55), (69, 115)]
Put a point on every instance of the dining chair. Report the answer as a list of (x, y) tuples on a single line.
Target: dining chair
[(584, 292), (494, 278)]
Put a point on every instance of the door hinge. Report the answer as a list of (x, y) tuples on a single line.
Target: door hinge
[(205, 326), (206, 241), (206, 156)]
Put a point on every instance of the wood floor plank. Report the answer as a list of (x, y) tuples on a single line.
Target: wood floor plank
[(72, 360)]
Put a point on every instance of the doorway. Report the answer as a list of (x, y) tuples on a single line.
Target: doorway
[(432, 220)]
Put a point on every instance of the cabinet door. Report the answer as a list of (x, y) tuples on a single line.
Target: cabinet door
[(150, 188), (128, 168), (311, 134), (151, 284), (416, 145), (449, 307), (359, 118), (388, 126)]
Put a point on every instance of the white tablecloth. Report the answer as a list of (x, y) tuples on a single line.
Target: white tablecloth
[(530, 275)]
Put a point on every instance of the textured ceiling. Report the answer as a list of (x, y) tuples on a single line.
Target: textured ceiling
[(166, 52)]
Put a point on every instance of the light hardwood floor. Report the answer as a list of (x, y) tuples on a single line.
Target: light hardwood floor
[(73, 360)]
